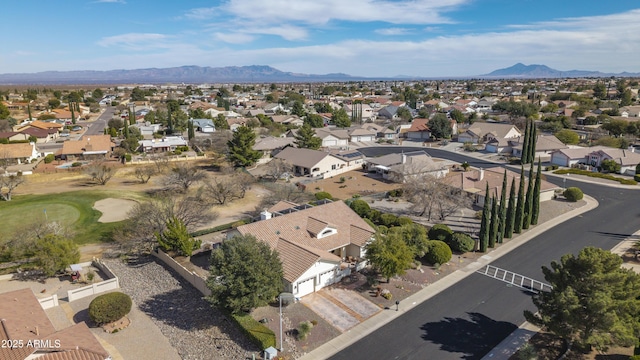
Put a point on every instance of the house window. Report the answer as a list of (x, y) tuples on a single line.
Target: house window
[(333, 167)]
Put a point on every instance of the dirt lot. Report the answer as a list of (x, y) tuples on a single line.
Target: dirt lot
[(355, 182)]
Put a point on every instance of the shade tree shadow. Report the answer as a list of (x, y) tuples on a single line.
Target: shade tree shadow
[(473, 338)]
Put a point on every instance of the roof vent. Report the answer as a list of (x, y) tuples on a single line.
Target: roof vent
[(277, 232), (297, 227)]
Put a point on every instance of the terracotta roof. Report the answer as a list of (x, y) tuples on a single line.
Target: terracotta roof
[(470, 181), (16, 150), (498, 130), (86, 144), (46, 124), (419, 125), (298, 227), (37, 132), (7, 134), (543, 143)]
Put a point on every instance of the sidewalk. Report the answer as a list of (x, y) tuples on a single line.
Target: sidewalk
[(372, 324)]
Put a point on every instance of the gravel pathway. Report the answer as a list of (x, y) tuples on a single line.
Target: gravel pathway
[(193, 327)]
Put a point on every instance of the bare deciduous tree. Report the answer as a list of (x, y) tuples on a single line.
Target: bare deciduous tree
[(161, 163), (282, 192), (223, 190), (182, 176), (144, 173), (215, 142), (276, 168), (148, 218), (431, 197), (9, 183), (99, 172)]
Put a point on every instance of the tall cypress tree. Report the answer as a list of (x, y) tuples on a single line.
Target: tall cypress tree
[(169, 122), (125, 131), (532, 142), (524, 156), (495, 222), (190, 131), (502, 210), (511, 211), (535, 211), (73, 114), (528, 203), (517, 223), (29, 112), (484, 225)]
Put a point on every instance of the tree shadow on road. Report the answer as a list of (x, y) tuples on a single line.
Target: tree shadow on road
[(472, 338)]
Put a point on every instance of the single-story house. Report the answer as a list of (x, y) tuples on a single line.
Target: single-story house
[(313, 163), (545, 145), (419, 130), (627, 159), (499, 146), (18, 153), (88, 147), (569, 157), (25, 322), (287, 120), (474, 183), (168, 143), (389, 112), (317, 245), (353, 158), (397, 167), (480, 132), (42, 135), (14, 136), (361, 135), (147, 128), (332, 138), (270, 146), (203, 125), (382, 132)]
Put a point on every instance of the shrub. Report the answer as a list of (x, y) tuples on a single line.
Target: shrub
[(461, 242), (440, 232), (396, 192), (387, 295), (127, 157), (49, 158), (374, 215), (403, 220), (76, 164), (439, 252), (638, 169), (342, 179), (259, 334), (636, 177), (321, 195), (361, 208), (370, 223), (314, 322), (388, 220), (304, 328), (573, 194), (109, 307)]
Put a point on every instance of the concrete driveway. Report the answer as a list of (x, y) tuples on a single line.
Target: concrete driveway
[(341, 308)]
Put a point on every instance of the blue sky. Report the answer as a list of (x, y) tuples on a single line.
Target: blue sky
[(357, 37)]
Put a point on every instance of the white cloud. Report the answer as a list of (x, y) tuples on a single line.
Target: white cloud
[(135, 40), (234, 38), (393, 31)]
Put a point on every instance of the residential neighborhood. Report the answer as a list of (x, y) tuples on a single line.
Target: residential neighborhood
[(336, 203)]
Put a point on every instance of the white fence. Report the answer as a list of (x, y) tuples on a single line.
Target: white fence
[(193, 278), (49, 302), (96, 288)]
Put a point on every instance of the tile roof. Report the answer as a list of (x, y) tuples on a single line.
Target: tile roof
[(298, 227), (419, 125), (498, 130), (470, 181), (623, 157), (46, 124), (16, 150), (282, 205), (543, 143), (395, 159), (301, 157), (86, 144), (338, 133), (272, 143)]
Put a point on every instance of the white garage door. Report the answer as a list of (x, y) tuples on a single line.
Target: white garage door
[(327, 278), (305, 287), (331, 142)]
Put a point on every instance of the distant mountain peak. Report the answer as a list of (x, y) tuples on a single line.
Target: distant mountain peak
[(521, 70)]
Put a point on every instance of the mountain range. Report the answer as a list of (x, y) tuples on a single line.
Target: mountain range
[(256, 74)]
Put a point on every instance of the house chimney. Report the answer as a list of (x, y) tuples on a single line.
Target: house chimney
[(481, 174), (265, 215), (37, 331)]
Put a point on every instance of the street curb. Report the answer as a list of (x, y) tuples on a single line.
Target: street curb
[(372, 324)]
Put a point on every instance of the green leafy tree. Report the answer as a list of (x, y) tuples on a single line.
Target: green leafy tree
[(517, 223), (610, 165), (244, 274), (600, 91), (54, 103), (404, 113), (54, 254), (568, 137), (615, 127), (626, 98), (137, 94), (175, 237), (535, 211), (458, 116), (485, 222), (306, 138), (97, 94), (415, 236), (511, 211), (298, 108), (440, 126), (240, 146), (340, 118), (4, 111), (389, 254), (220, 122), (594, 301), (361, 208), (314, 120), (169, 122)]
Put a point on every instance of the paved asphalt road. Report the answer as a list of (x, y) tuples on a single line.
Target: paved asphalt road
[(97, 126), (470, 318)]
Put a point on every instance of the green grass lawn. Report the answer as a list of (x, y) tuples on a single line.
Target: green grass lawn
[(73, 209)]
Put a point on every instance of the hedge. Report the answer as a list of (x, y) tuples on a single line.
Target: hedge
[(261, 335), (461, 242), (109, 307), (622, 181), (321, 195)]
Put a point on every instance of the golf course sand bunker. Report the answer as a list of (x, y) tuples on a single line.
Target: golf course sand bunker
[(113, 209)]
